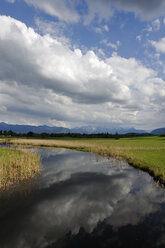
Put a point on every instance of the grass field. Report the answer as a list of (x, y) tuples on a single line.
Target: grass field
[(147, 153), (17, 166)]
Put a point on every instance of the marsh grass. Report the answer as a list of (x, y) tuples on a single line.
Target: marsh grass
[(17, 167), (146, 153)]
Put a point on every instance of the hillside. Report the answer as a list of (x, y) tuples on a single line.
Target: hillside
[(158, 131)]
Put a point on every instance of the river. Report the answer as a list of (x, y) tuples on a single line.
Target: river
[(85, 200)]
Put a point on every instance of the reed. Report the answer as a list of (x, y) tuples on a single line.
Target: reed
[(17, 166)]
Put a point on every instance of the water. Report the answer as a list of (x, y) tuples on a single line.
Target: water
[(82, 200)]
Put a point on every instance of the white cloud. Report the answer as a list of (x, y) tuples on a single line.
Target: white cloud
[(159, 45), (45, 62), (139, 37), (101, 29), (106, 28), (44, 80), (114, 46), (110, 44), (98, 8), (54, 29), (148, 29), (62, 9), (102, 9), (98, 30), (156, 25)]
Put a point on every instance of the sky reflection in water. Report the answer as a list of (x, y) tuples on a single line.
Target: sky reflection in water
[(84, 199)]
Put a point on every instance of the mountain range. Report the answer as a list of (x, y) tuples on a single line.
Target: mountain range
[(93, 130), (34, 129), (85, 129)]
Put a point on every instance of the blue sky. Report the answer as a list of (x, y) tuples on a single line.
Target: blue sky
[(76, 63)]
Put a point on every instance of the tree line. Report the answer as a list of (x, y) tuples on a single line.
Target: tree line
[(10, 133)]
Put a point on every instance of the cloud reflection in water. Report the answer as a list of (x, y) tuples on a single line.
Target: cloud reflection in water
[(77, 190)]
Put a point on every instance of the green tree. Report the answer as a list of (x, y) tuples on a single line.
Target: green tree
[(116, 136)]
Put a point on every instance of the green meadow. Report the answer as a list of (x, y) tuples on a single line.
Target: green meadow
[(146, 153)]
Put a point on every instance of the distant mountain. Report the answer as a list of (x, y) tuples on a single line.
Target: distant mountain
[(93, 130), (34, 129), (47, 129), (158, 131)]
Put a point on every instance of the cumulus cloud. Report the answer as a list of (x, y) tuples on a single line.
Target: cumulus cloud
[(46, 63), (45, 79)]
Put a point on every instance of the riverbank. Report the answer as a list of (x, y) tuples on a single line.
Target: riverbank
[(17, 166), (146, 153)]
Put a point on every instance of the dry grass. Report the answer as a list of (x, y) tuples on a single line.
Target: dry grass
[(17, 166), (46, 143)]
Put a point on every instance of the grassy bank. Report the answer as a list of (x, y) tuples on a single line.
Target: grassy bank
[(147, 153), (17, 166)]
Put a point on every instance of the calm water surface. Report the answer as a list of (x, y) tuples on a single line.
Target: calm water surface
[(82, 200)]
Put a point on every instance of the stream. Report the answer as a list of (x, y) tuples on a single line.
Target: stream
[(81, 200)]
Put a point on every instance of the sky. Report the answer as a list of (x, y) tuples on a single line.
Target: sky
[(77, 63)]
